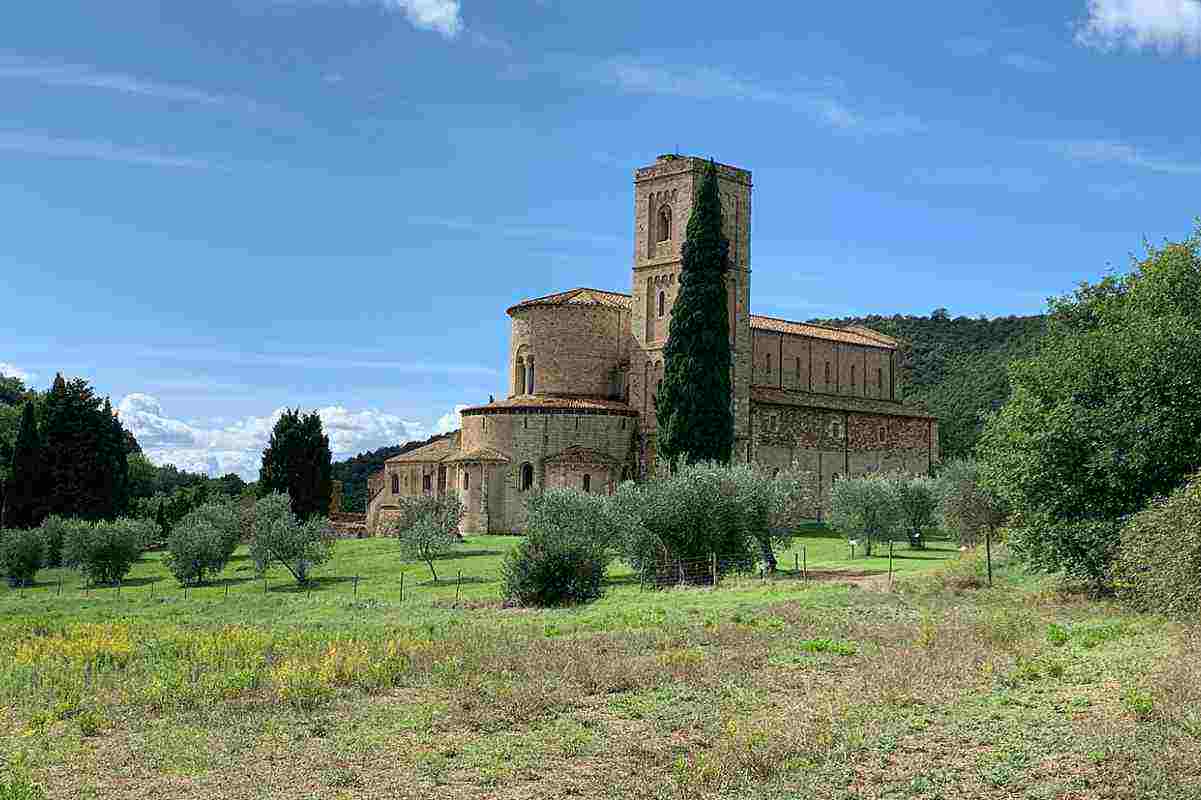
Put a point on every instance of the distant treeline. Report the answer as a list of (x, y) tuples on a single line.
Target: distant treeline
[(955, 367)]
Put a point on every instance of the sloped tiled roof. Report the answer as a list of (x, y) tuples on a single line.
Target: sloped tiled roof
[(536, 402), (479, 454), (849, 335), (578, 297), (833, 402), (434, 451)]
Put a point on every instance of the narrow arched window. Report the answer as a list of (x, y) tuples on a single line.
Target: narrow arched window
[(664, 224), (769, 364), (798, 370), (852, 376), (880, 378), (466, 479), (529, 377), (395, 484), (427, 483), (527, 477), (662, 303), (883, 434), (587, 483), (827, 372)]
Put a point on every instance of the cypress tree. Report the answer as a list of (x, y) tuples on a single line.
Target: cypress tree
[(298, 461), (695, 417), (86, 471), (23, 500)]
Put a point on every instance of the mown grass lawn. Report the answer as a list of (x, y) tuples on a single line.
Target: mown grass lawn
[(779, 688)]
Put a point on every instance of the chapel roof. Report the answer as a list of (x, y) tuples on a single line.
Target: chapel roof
[(581, 296), (478, 454), (852, 334), (548, 403), (434, 451)]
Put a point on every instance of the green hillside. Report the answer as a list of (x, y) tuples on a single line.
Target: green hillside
[(955, 368)]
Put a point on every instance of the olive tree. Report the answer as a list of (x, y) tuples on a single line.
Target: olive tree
[(917, 504), (277, 535), (967, 507), (427, 527), (865, 508)]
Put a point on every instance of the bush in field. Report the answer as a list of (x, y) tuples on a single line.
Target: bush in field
[(20, 555), (563, 558), (103, 551), (968, 508), (427, 527), (865, 508), (679, 520), (225, 517), (277, 535), (917, 504), (773, 506), (195, 551), (1158, 564), (54, 532)]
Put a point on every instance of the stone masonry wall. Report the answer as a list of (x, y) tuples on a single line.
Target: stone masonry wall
[(577, 350)]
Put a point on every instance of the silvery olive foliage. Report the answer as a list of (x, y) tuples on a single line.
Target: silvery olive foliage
[(195, 551), (20, 555), (277, 535), (427, 527), (917, 499), (866, 508), (570, 541), (104, 551)]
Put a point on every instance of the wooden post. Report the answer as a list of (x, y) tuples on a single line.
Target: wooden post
[(804, 564), (796, 563), (890, 562), (988, 552), (356, 588), (60, 585), (185, 590), (459, 587), (402, 587), (227, 589), (118, 587), (714, 564)]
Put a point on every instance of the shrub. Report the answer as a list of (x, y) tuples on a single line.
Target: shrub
[(195, 550), (773, 505), (225, 517), (865, 508), (677, 521), (427, 527), (917, 504), (277, 535), (54, 531), (20, 555), (565, 553), (103, 551), (1081, 549), (968, 509), (1158, 563)]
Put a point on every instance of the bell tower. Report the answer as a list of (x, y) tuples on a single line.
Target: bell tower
[(663, 195)]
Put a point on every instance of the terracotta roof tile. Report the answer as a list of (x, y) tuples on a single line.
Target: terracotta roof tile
[(536, 402), (434, 451), (851, 335), (578, 297), (479, 454)]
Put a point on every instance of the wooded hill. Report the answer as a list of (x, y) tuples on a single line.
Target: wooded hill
[(955, 368)]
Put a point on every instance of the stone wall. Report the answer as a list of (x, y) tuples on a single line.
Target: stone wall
[(799, 363), (577, 349)]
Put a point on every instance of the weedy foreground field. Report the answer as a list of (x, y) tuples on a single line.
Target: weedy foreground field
[(933, 687)]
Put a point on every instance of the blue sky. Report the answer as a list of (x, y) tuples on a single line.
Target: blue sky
[(218, 209)]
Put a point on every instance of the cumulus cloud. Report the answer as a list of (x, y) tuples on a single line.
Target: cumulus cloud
[(443, 16), (13, 371), (1167, 26), (450, 421), (238, 446)]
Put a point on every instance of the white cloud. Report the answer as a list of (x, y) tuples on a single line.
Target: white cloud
[(238, 446), (13, 371), (39, 145), (15, 67), (817, 98), (1102, 151), (1167, 26), (443, 16), (450, 421)]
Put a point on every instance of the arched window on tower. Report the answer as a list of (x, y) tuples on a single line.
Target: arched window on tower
[(395, 484), (769, 365), (664, 231), (527, 477), (529, 376), (587, 483), (519, 377), (662, 303)]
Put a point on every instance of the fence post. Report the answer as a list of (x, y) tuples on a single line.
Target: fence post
[(185, 590), (60, 584), (804, 564), (459, 587), (356, 588), (402, 587), (118, 587), (988, 552), (714, 556), (796, 563), (264, 582), (890, 563), (227, 589)]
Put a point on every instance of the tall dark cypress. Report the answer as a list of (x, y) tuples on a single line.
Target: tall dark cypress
[(298, 461), (695, 417), (85, 467), (23, 499)]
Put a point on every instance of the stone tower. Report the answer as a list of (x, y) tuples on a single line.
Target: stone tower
[(663, 195)]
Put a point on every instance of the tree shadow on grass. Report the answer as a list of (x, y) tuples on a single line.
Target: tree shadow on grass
[(623, 580), (455, 581), (323, 583), (451, 556)]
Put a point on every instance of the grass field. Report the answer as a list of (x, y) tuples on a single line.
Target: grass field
[(835, 688)]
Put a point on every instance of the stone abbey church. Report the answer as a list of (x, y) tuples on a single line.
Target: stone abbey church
[(585, 364)]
